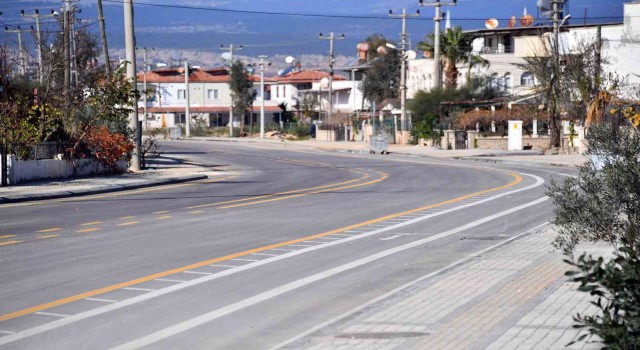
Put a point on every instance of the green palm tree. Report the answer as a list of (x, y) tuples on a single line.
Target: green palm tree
[(455, 47)]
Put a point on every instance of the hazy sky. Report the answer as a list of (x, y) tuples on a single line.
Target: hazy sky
[(203, 29)]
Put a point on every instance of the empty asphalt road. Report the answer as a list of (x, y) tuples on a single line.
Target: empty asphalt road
[(282, 241)]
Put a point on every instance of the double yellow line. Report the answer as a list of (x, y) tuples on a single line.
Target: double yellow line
[(517, 179)]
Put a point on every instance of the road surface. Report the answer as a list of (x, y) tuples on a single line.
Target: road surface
[(282, 241)]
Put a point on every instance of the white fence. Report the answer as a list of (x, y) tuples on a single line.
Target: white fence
[(31, 170)]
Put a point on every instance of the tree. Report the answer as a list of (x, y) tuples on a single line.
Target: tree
[(602, 204), (455, 48), (241, 91), (574, 89), (375, 42), (382, 80)]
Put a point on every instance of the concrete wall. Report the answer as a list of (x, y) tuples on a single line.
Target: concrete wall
[(537, 143), (31, 170)]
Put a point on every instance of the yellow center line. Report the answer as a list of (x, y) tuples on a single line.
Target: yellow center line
[(92, 229), (48, 236), (7, 236), (91, 223), (196, 212), (364, 177), (49, 230), (9, 242), (382, 178), (129, 223), (126, 217), (517, 179), (164, 217), (161, 212)]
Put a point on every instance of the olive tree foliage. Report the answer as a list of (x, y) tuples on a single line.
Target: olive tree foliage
[(382, 79), (241, 90), (602, 204), (576, 87)]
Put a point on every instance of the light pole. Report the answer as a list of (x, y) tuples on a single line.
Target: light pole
[(131, 76), (187, 109), (22, 67), (332, 60), (437, 76), (231, 49), (144, 86), (37, 17), (262, 63), (403, 67)]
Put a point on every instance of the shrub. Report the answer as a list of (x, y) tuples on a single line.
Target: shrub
[(108, 147), (603, 204)]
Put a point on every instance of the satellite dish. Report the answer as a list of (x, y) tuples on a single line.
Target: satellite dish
[(363, 47), (411, 55), (491, 23), (226, 56), (382, 50), (289, 59), (324, 83), (512, 22), (251, 70)]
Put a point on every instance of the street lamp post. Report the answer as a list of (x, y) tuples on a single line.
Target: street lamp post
[(437, 76), (403, 68), (262, 63)]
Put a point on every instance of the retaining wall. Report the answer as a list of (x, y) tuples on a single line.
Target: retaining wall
[(31, 170)]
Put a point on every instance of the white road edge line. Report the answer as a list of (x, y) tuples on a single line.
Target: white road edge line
[(139, 289), (170, 289), (231, 308), (101, 300), (6, 332), (51, 314), (403, 287), (169, 280)]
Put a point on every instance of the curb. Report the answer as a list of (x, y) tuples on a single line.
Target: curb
[(511, 162), (101, 190)]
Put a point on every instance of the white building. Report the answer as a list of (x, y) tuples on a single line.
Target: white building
[(506, 48), (209, 98)]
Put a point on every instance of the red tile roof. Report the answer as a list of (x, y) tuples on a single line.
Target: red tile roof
[(305, 76), (175, 75)]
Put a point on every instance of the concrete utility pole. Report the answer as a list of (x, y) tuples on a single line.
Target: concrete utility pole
[(144, 86), (332, 60), (437, 75), (231, 49), (554, 115), (130, 47), (37, 17), (103, 34), (262, 63), (403, 67), (187, 96), (22, 66)]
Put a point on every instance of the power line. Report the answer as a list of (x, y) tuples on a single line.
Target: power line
[(317, 15)]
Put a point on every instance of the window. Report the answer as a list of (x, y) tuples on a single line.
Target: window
[(277, 92), (182, 94), (507, 82), (495, 81), (527, 79), (212, 94)]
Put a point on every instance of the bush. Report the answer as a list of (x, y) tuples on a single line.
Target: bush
[(616, 284), (108, 147), (603, 204), (301, 130)]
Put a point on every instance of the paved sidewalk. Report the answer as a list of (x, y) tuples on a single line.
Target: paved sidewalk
[(513, 297), (166, 171)]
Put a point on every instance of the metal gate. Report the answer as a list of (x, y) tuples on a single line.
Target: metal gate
[(461, 140)]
